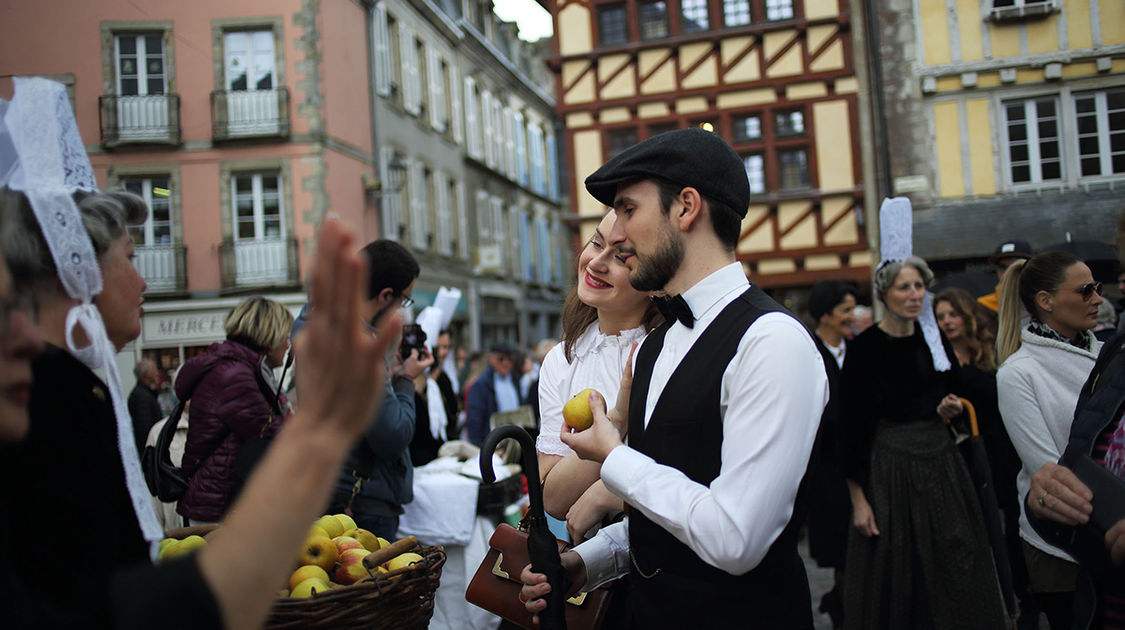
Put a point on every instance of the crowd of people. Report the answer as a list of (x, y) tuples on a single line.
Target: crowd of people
[(724, 429)]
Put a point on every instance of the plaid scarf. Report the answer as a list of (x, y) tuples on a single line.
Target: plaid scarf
[(1037, 327)]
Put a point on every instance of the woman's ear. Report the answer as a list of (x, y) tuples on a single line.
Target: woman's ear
[(1045, 301)]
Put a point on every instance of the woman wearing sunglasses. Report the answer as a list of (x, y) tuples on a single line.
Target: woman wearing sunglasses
[(1044, 363)]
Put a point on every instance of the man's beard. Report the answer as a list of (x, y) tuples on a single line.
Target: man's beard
[(654, 272)]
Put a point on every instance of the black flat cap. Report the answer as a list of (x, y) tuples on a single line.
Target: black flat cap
[(1011, 249), (688, 157), (502, 347)]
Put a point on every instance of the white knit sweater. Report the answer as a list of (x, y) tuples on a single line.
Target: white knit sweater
[(1038, 389)]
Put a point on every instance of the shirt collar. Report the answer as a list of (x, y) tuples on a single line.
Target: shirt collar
[(593, 340), (705, 294)]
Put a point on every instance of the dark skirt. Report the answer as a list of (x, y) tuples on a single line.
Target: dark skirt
[(930, 567)]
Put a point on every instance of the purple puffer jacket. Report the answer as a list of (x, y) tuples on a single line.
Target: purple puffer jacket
[(228, 407)]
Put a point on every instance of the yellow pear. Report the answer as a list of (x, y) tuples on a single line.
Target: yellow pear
[(577, 412)]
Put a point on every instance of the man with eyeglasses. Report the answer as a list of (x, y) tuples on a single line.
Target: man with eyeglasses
[(378, 476)]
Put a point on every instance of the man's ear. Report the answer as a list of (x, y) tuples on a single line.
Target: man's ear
[(385, 296), (691, 208)]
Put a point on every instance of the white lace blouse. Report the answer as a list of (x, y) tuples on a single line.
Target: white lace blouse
[(598, 362)]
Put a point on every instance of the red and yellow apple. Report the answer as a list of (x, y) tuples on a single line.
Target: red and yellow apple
[(319, 551), (343, 543), (351, 569), (369, 541)]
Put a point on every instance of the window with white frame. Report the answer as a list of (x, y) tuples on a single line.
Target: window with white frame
[(140, 64), (412, 94), (1034, 154), (157, 193), (250, 60), (736, 12), (258, 213), (1100, 126), (422, 71), (779, 9), (439, 85)]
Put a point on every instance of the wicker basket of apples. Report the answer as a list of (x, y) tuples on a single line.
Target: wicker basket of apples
[(349, 578)]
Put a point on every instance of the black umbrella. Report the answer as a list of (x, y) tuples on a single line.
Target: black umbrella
[(1100, 257), (542, 547), (976, 459), (977, 283)]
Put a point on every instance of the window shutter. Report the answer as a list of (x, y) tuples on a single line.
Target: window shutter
[(486, 127), (462, 221), (455, 103), (409, 56), (382, 50), (521, 148), (472, 119), (391, 204), (552, 168), (419, 209), (444, 227), (437, 91)]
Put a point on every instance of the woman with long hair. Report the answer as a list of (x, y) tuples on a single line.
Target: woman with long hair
[(970, 328), (602, 318), (918, 553), (234, 399), (1043, 366)]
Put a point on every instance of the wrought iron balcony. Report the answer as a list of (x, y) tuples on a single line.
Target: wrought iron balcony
[(139, 119), (163, 267), (257, 263), (237, 114)]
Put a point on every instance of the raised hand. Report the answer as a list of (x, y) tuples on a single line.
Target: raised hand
[(339, 358)]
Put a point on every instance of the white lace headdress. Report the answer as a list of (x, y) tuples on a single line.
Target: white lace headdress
[(41, 155), (896, 243)]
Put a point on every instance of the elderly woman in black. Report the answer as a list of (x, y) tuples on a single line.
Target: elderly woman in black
[(918, 555)]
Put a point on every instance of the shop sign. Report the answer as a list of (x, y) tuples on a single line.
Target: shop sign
[(163, 328)]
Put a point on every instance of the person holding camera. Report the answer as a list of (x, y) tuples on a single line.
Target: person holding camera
[(378, 476)]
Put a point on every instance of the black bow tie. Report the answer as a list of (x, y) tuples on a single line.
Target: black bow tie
[(675, 308)]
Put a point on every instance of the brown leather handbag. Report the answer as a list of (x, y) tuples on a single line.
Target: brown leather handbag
[(496, 585)]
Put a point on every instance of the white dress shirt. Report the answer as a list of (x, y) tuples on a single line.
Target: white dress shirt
[(772, 395), (599, 360)]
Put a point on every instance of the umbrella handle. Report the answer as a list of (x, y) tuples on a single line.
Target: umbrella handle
[(973, 426), (528, 461)]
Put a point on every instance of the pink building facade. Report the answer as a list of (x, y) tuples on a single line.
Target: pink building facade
[(241, 124)]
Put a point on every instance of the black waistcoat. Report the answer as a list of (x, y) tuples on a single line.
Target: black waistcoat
[(686, 432)]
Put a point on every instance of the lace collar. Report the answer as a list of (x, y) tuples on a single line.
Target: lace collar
[(593, 340)]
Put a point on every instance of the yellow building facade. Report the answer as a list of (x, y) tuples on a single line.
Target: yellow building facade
[(1013, 117), (775, 78)]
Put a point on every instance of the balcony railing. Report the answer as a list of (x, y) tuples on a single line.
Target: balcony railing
[(249, 114), (162, 266), (140, 119), (267, 262)]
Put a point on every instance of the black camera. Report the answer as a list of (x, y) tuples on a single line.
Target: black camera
[(413, 338)]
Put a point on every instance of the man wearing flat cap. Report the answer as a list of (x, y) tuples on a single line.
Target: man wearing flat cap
[(725, 402), (494, 390)]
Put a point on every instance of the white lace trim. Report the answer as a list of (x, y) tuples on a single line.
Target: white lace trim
[(896, 242), (52, 165), (592, 340)]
